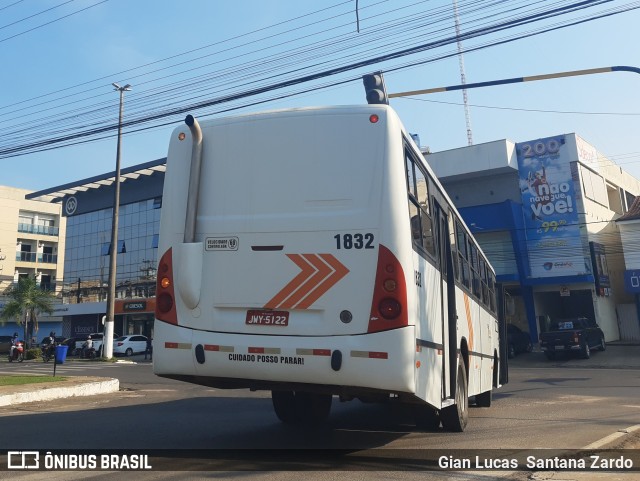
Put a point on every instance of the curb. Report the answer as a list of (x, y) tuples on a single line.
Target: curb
[(50, 391)]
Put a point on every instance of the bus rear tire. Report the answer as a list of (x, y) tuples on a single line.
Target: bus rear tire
[(301, 407), (455, 417), (312, 408), (284, 404)]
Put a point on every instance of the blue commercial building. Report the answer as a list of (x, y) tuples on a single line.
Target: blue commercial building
[(87, 208), (543, 212)]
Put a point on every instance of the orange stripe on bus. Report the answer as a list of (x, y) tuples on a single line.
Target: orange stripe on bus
[(322, 270), (318, 273), (339, 271), (467, 309), (378, 355), (307, 271), (177, 345)]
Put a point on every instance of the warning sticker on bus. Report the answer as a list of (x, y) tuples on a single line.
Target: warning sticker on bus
[(267, 318), (221, 244)]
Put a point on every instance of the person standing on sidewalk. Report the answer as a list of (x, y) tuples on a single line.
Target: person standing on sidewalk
[(149, 350)]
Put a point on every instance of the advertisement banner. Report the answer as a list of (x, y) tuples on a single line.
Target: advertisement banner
[(549, 208), (632, 281)]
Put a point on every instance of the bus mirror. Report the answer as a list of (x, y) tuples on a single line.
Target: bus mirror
[(374, 88)]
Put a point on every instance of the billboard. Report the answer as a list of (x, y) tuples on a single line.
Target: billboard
[(549, 209)]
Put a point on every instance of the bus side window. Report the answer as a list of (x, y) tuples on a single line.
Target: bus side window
[(416, 229), (427, 233), (463, 255), (474, 270), (418, 197), (492, 292), (452, 243)]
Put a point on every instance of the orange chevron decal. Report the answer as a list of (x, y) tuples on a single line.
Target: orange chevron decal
[(467, 308), (318, 274)]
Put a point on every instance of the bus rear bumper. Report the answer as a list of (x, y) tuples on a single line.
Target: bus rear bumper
[(377, 362)]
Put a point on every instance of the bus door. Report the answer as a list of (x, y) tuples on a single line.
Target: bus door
[(448, 301)]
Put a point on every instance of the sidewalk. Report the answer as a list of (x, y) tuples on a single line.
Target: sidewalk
[(71, 387), (618, 355)]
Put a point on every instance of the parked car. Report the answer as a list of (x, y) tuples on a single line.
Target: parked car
[(97, 338), (72, 344), (577, 334), (5, 344), (517, 341), (129, 345)]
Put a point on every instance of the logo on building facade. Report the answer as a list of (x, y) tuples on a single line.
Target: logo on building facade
[(71, 205), (134, 306)]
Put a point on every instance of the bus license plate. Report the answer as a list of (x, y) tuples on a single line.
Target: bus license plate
[(267, 318)]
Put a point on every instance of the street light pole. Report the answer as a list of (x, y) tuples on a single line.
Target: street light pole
[(107, 344)]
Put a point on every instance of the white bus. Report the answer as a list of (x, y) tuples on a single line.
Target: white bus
[(312, 252)]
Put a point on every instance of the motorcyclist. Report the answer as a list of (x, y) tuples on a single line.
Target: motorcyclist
[(14, 343), (51, 345), (87, 346)]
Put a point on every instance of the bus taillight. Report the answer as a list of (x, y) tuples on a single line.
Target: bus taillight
[(165, 304), (388, 309)]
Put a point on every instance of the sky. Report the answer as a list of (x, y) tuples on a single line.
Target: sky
[(59, 58)]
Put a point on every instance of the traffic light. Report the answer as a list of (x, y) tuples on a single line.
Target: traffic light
[(375, 89)]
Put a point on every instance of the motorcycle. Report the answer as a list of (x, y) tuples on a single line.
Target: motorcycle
[(48, 353), (87, 353), (17, 352)]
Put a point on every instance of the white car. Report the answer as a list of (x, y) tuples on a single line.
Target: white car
[(129, 345), (97, 338)]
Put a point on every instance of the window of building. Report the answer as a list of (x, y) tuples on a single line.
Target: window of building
[(106, 248)]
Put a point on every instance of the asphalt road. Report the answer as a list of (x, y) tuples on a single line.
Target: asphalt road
[(562, 405)]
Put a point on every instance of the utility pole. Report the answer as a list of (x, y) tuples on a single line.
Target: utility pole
[(107, 344)]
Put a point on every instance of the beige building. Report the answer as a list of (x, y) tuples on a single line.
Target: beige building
[(32, 237)]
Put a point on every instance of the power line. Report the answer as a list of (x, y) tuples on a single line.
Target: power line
[(52, 21), (519, 109), (35, 14), (11, 5), (265, 84)]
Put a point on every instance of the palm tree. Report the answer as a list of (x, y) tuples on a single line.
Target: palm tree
[(26, 301)]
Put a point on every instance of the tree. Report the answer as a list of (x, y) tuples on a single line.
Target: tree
[(26, 301)]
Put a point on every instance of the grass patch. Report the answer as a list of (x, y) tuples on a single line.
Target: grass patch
[(20, 380)]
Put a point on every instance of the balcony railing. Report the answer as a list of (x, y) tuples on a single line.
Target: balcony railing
[(45, 286), (38, 229), (26, 256), (48, 258)]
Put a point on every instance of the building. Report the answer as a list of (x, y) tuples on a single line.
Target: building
[(86, 206), (629, 314), (32, 244), (543, 211)]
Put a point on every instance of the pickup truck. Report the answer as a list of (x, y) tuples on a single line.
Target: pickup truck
[(577, 334)]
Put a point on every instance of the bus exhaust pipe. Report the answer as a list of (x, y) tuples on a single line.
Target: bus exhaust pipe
[(189, 254), (194, 179)]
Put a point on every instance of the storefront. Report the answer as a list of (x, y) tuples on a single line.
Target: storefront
[(132, 316)]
